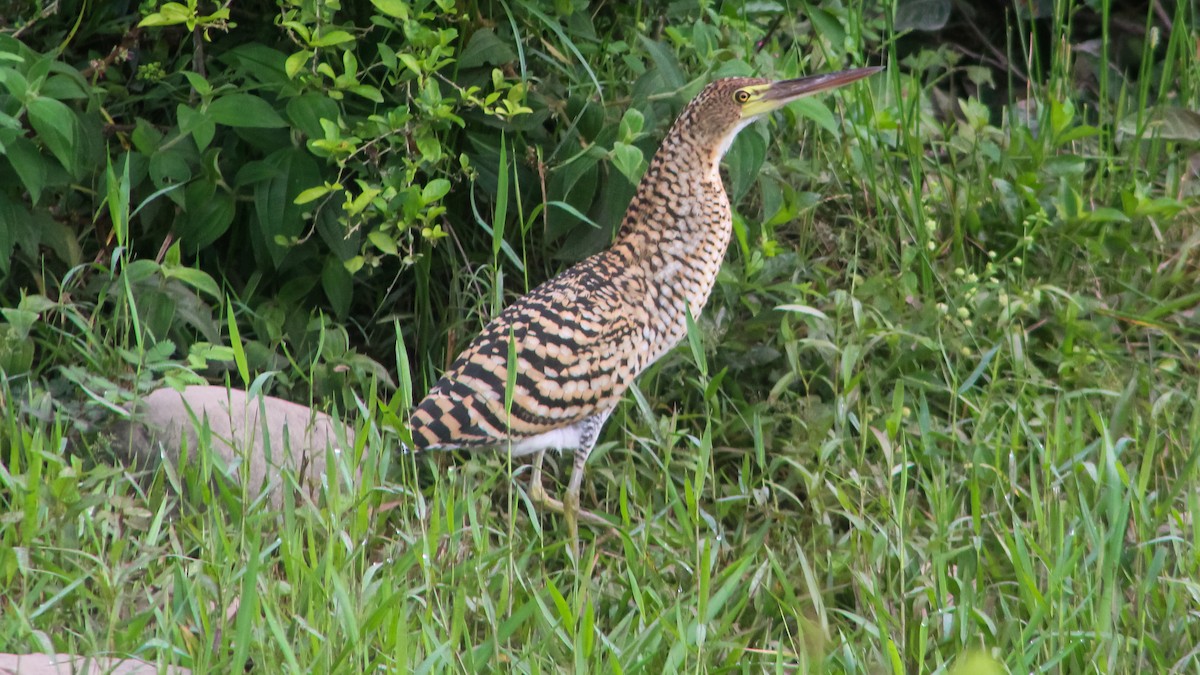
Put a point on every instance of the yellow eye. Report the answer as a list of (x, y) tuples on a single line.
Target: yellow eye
[(741, 96)]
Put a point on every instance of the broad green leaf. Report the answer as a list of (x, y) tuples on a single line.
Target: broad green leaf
[(828, 25), (170, 14), (307, 111), (245, 110), (16, 352), (199, 83), (435, 190), (410, 63), (744, 160), (65, 86), (170, 167), (366, 91), (10, 219), (197, 123), (197, 279), (485, 49), (208, 213), (1106, 214), (58, 128), (631, 125), (383, 242), (334, 37), (397, 9), (338, 285), (296, 63), (289, 171), (29, 164), (15, 82), (666, 64), (817, 111), (628, 160)]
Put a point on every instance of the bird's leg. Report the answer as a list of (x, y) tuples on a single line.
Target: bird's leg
[(537, 493), (570, 509), (571, 499)]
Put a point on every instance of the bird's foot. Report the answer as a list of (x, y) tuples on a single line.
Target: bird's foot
[(542, 500)]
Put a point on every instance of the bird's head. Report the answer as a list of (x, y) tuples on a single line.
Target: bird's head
[(726, 106)]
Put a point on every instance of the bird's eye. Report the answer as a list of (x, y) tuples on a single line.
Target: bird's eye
[(741, 96)]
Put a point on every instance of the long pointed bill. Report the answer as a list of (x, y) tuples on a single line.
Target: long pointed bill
[(778, 94)]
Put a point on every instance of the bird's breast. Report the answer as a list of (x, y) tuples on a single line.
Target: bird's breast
[(682, 266)]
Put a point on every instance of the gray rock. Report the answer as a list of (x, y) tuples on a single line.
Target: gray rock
[(256, 437)]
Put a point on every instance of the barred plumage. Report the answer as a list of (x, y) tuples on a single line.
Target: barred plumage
[(581, 338)]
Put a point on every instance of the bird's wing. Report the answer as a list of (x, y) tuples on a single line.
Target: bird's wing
[(576, 343)]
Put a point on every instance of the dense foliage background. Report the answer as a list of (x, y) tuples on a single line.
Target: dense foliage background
[(943, 398)]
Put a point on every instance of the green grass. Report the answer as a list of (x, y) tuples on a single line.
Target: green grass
[(947, 405)]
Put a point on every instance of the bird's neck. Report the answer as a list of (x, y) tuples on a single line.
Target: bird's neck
[(675, 232), (680, 197)]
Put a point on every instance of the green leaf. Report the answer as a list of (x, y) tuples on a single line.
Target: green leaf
[(307, 111), (804, 309), (500, 212), (1106, 214), (288, 172), (312, 194), (577, 180), (338, 285), (397, 9), (334, 37), (245, 110), (296, 63), (199, 83), (20, 320), (628, 160), (170, 167), (828, 26), (366, 91), (410, 63), (66, 86), (235, 343), (984, 362), (573, 212), (29, 164), (16, 352), (666, 64), (383, 242), (744, 160), (197, 123), (117, 197), (170, 14), (435, 190), (58, 128), (15, 82), (208, 213), (631, 125), (695, 344), (485, 49), (197, 279), (816, 111), (146, 139)]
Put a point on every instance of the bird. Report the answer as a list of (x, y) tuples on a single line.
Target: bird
[(575, 343)]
